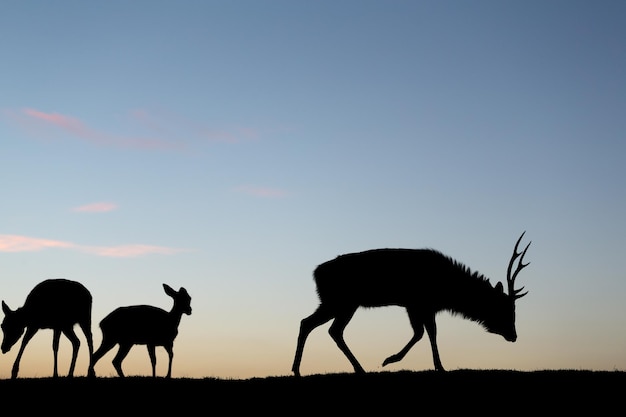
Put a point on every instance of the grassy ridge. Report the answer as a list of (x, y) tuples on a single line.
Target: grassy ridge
[(468, 391)]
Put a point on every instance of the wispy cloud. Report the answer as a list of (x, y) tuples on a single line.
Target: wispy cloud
[(234, 135), (166, 122), (36, 119), (152, 130), (96, 207), (164, 130), (16, 243), (264, 192), (129, 251)]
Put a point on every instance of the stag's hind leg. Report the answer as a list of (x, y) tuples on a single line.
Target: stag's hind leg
[(319, 317), (417, 323)]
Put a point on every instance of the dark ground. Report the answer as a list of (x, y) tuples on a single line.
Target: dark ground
[(497, 392)]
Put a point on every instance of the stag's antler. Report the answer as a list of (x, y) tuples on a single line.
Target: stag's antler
[(511, 279)]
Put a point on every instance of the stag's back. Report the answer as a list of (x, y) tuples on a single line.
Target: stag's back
[(387, 277), (57, 302)]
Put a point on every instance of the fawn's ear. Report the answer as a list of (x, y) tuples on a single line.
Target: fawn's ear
[(5, 308), (169, 290)]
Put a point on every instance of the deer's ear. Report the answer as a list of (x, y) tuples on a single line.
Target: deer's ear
[(5, 308), (169, 290), (499, 287)]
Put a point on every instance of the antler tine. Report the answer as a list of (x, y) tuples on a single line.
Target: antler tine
[(521, 265)]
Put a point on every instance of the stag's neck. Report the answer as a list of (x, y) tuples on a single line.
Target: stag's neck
[(468, 308), (471, 298)]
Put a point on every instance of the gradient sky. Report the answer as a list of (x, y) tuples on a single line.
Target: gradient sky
[(229, 147)]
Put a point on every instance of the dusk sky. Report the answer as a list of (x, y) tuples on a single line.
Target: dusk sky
[(229, 147)]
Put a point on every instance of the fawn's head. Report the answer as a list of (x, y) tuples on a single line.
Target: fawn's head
[(13, 326), (182, 299), (502, 319)]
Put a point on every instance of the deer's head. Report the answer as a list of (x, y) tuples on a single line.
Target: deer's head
[(182, 299), (502, 321), (12, 327)]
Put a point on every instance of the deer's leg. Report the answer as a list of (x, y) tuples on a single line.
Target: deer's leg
[(105, 346), (152, 354), (30, 332), (89, 336), (170, 353), (69, 333), (319, 317), (119, 357), (417, 323), (56, 336), (336, 332), (431, 329)]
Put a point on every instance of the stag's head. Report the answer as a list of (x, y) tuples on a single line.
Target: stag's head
[(502, 322), (12, 327)]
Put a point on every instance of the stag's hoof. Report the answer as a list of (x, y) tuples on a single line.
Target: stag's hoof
[(391, 359)]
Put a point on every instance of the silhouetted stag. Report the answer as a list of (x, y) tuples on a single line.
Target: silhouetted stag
[(143, 325), (424, 281), (57, 304)]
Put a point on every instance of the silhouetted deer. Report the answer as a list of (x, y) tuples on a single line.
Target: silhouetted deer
[(56, 304), (143, 325), (424, 281)]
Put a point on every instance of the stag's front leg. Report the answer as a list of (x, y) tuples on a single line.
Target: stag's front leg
[(417, 323), (336, 332), (431, 328)]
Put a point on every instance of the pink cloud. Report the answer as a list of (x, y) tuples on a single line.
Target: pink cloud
[(130, 251), (80, 130), (64, 122), (166, 126), (166, 122), (261, 191), (96, 207), (235, 135), (15, 243)]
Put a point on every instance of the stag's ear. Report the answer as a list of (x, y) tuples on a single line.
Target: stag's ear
[(499, 287), (5, 308)]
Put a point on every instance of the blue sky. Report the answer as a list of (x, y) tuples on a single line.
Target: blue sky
[(230, 147)]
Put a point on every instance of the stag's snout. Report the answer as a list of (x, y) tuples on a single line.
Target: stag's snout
[(510, 337)]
